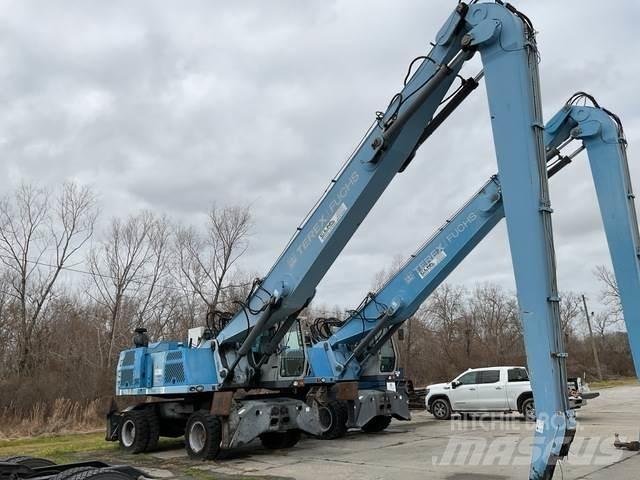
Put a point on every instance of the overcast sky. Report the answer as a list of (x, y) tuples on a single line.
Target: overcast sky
[(172, 106)]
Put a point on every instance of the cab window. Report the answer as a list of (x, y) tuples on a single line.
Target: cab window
[(292, 358), (518, 375), (488, 376), (387, 358), (468, 378)]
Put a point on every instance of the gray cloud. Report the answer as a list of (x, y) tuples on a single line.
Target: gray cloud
[(173, 106)]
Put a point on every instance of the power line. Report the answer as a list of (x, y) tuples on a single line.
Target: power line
[(105, 276)]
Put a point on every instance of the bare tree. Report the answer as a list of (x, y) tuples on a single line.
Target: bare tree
[(443, 314), (39, 234), (603, 323), (495, 316), (128, 269), (570, 313), (610, 294), (205, 263), (384, 275)]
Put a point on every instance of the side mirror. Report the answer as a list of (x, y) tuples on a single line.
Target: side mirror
[(455, 384)]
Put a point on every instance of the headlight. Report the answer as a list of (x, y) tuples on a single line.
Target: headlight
[(426, 392)]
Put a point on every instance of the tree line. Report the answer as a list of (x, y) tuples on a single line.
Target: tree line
[(73, 289), (458, 328), (72, 293)]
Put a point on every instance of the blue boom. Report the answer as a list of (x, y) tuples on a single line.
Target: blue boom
[(344, 355), (201, 380)]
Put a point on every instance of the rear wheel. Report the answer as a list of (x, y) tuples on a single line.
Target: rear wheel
[(376, 424), (333, 419), (529, 410), (203, 435), (154, 428), (441, 409), (134, 431), (278, 440)]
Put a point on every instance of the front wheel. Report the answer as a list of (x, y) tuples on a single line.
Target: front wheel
[(529, 410), (203, 435), (134, 431), (333, 419), (441, 409), (376, 424)]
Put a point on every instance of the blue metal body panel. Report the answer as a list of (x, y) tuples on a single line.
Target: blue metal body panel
[(165, 368)]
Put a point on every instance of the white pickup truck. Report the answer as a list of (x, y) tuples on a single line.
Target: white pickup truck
[(493, 389)]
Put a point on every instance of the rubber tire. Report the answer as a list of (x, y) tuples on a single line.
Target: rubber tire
[(213, 431), (154, 429), (100, 474), (67, 474), (339, 412), (446, 415), (141, 425), (525, 406), (30, 462), (376, 424), (280, 440)]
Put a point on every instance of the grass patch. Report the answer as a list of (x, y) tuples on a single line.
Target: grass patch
[(60, 449), (620, 382)]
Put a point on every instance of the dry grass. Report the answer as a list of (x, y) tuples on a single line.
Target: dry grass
[(618, 382), (45, 418)]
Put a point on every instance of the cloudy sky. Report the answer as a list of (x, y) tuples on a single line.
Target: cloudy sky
[(172, 106)]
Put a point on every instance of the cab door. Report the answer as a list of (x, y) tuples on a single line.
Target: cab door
[(465, 395), (492, 394), (292, 356)]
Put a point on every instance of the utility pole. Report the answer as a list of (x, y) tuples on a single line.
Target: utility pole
[(407, 362), (593, 342)]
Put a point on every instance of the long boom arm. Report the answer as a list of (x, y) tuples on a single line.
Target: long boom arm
[(505, 39), (602, 134), (362, 334), (438, 256), (391, 142), (344, 353)]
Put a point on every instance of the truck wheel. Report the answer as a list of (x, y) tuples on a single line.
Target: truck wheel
[(154, 429), (67, 474), (333, 418), (278, 440), (529, 410), (203, 435), (100, 474), (441, 409), (376, 424), (133, 434), (31, 462)]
